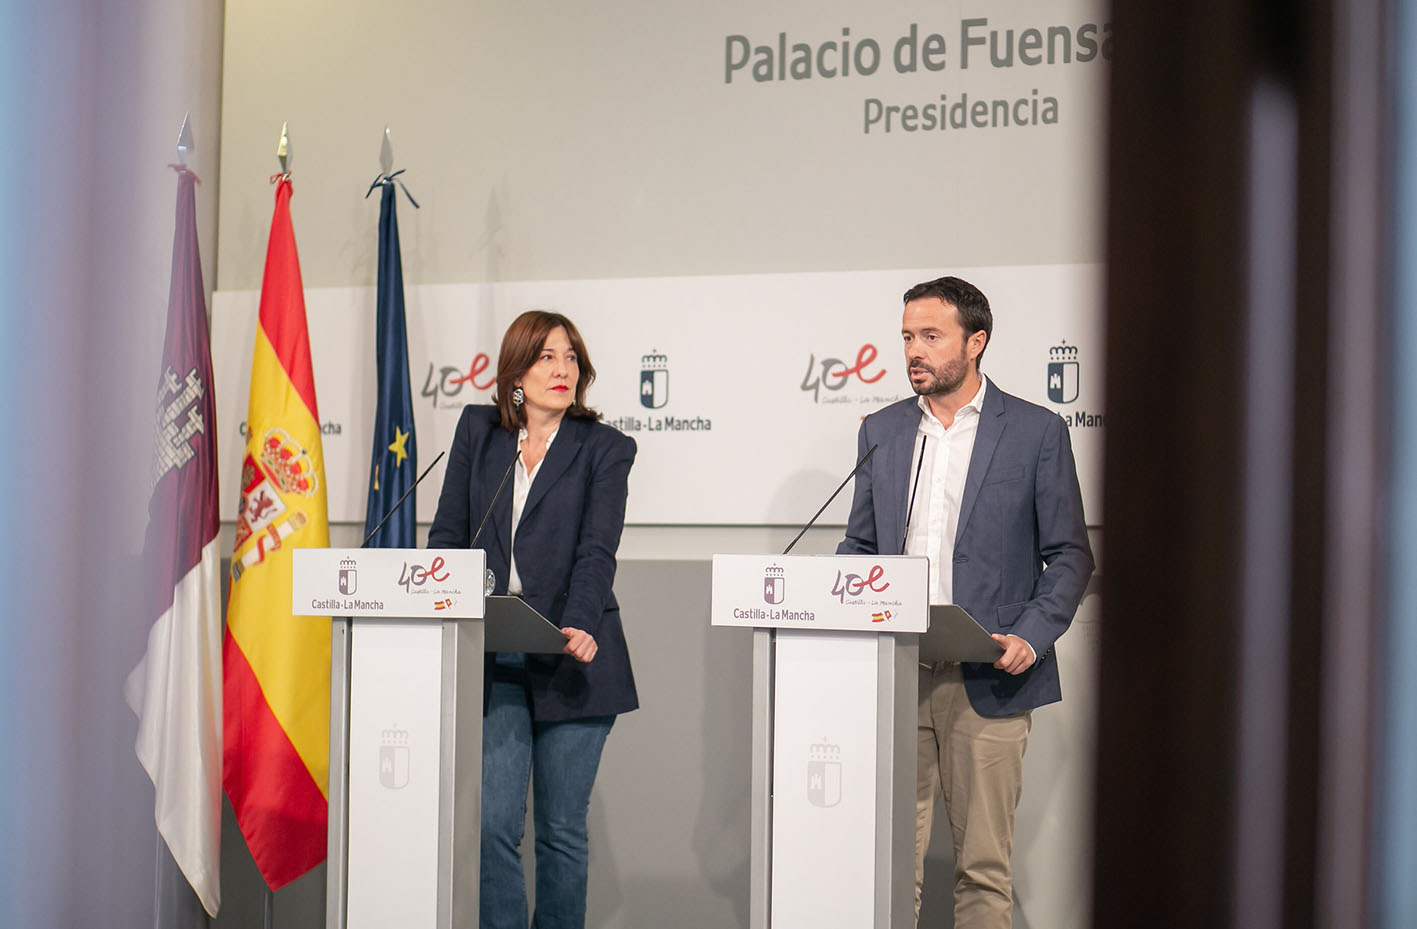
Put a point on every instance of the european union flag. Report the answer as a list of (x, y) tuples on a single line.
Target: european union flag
[(394, 464)]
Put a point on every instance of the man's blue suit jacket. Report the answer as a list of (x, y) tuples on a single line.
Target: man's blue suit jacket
[(565, 546), (1021, 510)]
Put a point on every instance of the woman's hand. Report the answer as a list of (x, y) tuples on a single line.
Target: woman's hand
[(580, 644)]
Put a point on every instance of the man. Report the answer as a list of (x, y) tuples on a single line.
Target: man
[(984, 485)]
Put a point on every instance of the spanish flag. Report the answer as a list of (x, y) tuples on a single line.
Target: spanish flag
[(276, 686)]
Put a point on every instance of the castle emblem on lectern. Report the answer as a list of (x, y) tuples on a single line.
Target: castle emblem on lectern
[(824, 774), (1063, 372), (654, 380), (774, 586), (393, 759), (348, 576)]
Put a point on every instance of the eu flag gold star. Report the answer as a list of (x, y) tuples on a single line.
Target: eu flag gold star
[(400, 453)]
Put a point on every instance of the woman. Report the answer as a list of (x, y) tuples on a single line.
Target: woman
[(551, 539)]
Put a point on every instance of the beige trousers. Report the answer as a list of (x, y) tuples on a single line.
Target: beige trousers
[(978, 761)]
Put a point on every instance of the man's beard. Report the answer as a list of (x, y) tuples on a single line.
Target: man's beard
[(945, 379)]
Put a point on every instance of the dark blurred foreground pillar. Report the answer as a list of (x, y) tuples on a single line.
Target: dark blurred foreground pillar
[(1247, 403)]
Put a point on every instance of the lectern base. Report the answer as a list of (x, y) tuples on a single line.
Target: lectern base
[(833, 811)]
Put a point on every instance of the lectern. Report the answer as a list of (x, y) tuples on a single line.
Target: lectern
[(836, 651), (405, 771), (834, 720)]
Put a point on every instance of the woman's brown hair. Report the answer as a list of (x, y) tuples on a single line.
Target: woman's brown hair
[(521, 346)]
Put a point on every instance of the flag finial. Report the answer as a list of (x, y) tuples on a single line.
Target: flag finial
[(185, 145), (386, 154), (284, 150)]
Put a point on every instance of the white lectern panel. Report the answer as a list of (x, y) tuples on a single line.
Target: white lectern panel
[(403, 583), (824, 780), (395, 705), (867, 592)]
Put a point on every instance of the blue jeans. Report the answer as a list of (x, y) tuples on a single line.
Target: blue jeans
[(560, 759)]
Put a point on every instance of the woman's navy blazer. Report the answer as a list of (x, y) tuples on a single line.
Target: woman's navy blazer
[(565, 545)]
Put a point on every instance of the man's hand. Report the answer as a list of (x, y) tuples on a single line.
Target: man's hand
[(580, 644), (1018, 655)]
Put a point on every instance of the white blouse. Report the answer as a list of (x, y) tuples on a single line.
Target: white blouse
[(521, 486)]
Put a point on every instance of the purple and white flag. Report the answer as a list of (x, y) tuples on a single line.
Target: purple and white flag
[(176, 688)]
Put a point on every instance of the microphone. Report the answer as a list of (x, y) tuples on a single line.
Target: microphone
[(498, 493), (913, 487), (864, 458), (393, 509)]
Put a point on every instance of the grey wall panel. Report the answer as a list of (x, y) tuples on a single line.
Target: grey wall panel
[(669, 818)]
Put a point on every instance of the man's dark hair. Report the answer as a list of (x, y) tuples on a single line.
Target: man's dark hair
[(968, 301)]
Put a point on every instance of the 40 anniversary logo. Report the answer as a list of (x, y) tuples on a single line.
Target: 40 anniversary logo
[(833, 374), (445, 382), (855, 585)]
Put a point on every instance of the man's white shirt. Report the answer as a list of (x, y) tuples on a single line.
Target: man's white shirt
[(937, 483)]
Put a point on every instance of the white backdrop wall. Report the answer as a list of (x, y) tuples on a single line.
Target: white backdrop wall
[(744, 392)]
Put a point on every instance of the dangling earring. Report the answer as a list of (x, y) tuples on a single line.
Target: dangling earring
[(518, 398)]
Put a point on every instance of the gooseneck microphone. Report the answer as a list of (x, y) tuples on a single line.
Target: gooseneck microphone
[(394, 509), (913, 487), (476, 535), (864, 458)]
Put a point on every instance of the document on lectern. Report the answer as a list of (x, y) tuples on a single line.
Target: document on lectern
[(954, 635), (512, 625)]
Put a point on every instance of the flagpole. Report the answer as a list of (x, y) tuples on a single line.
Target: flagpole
[(284, 150), (283, 153), (184, 147), (157, 864)]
